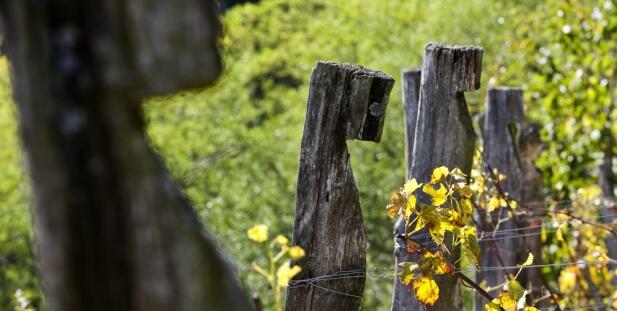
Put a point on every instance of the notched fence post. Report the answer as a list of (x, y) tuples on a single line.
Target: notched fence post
[(345, 102), (444, 136)]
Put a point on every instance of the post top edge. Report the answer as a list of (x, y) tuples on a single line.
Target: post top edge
[(357, 69), (443, 46), (413, 70), (505, 89)]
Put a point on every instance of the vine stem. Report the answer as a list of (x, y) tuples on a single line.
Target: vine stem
[(475, 286)]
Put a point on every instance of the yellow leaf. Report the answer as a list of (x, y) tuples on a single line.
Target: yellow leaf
[(464, 191), (438, 196), (411, 186), (493, 204), (439, 174), (410, 207), (281, 240), (437, 263), (397, 201), (513, 204), (531, 309), (285, 273), (567, 280), (529, 260), (258, 233), (407, 269), (296, 252), (492, 306), (467, 209), (469, 242), (427, 291)]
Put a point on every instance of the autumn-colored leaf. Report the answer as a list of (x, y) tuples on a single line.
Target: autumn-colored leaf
[(410, 207), (258, 233), (407, 270), (436, 262), (296, 252), (439, 174), (427, 291), (529, 260), (411, 186), (285, 273), (397, 201), (438, 196), (567, 280)]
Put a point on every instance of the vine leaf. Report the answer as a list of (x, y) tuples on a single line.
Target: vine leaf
[(407, 269), (439, 174), (411, 186), (470, 245), (529, 260), (512, 298), (426, 290), (438, 196), (397, 201)]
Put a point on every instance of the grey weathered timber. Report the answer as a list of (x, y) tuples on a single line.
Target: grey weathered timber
[(345, 102), (532, 193), (445, 134), (502, 126), (402, 296), (607, 184), (411, 97), (113, 230)]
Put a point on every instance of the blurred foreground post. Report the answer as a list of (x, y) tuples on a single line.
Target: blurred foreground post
[(500, 136), (113, 231), (345, 102), (402, 295), (444, 137)]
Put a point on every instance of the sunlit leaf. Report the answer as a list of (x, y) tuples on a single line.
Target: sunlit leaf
[(407, 272), (397, 201), (567, 280), (296, 252), (285, 273), (410, 207), (427, 291), (529, 260), (411, 186), (258, 233), (439, 174), (438, 196)]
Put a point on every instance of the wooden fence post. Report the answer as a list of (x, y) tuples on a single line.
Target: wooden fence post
[(444, 133), (607, 184), (502, 125), (532, 199), (402, 296), (345, 102), (114, 232)]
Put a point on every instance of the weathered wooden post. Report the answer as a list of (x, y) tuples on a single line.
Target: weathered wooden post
[(345, 102), (607, 185), (444, 135), (411, 78), (502, 125), (532, 199), (113, 231)]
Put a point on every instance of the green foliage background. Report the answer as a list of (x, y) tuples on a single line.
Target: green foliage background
[(235, 147)]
